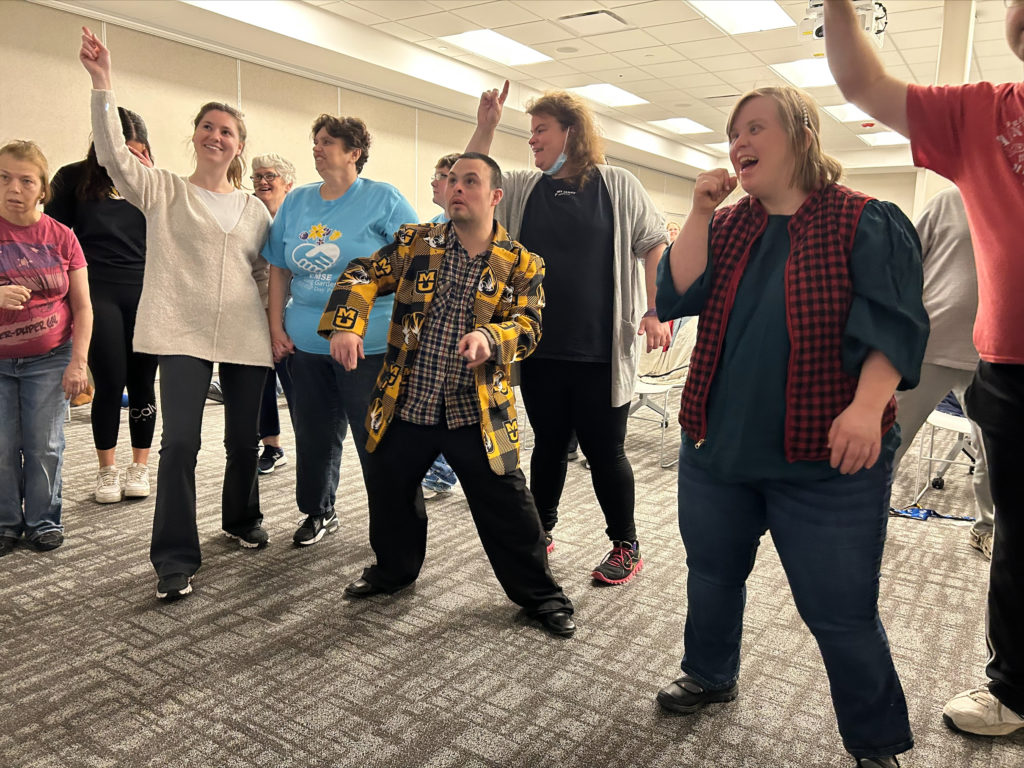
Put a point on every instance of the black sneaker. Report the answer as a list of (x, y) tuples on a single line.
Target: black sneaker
[(889, 761), (314, 527), (685, 695), (621, 564), (271, 458), (254, 538), (44, 542), (7, 545), (549, 542), (173, 587)]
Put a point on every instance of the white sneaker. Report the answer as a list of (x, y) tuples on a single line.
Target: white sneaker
[(978, 711), (136, 481), (981, 542), (108, 485)]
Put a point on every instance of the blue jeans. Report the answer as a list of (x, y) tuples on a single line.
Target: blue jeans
[(326, 400), (829, 535), (32, 408)]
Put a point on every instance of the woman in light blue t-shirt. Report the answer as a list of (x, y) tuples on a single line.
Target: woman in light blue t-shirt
[(318, 230)]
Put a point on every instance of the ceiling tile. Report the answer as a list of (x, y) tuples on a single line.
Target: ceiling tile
[(647, 112), (401, 31), (788, 53), (553, 9), (746, 78), (644, 57), (534, 32), (902, 18), (599, 61), (929, 55), (772, 38), (545, 69), (397, 9), (673, 68), (657, 12), (922, 38), (353, 12), (623, 41), (572, 81), (684, 32), (450, 5), (620, 75), (441, 24), (688, 82), (715, 46), (991, 30), (579, 48), (733, 61), (495, 14), (993, 48)]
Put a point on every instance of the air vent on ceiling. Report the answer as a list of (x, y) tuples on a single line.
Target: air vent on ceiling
[(593, 23)]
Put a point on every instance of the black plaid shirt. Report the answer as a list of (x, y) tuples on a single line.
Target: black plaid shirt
[(439, 379)]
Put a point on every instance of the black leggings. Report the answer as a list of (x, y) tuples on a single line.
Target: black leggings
[(562, 396), (115, 365)]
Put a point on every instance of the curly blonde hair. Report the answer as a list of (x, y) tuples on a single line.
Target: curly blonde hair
[(584, 148)]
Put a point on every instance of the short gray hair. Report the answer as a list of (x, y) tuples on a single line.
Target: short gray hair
[(273, 160)]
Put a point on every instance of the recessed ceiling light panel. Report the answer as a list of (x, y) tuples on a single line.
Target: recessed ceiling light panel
[(609, 95), (737, 17), (681, 125), (805, 73), (884, 139), (848, 113), (490, 45)]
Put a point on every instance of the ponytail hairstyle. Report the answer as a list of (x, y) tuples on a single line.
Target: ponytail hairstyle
[(236, 170), (95, 183)]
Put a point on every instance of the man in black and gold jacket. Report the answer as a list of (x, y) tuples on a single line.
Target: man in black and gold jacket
[(468, 304)]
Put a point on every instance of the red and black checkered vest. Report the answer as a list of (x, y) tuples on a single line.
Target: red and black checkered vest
[(818, 295)]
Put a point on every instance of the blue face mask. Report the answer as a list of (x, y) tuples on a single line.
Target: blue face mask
[(562, 157)]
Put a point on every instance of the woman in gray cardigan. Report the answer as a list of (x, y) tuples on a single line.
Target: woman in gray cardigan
[(203, 302), (590, 222)]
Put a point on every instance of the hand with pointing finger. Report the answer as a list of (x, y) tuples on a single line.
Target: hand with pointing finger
[(488, 114)]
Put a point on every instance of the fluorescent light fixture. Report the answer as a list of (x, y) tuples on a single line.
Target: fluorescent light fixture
[(883, 139), (609, 95), (739, 16), (491, 45), (848, 113), (722, 146), (681, 125), (805, 73)]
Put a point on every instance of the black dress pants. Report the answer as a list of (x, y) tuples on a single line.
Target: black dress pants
[(562, 396), (502, 508), (995, 401), (184, 382)]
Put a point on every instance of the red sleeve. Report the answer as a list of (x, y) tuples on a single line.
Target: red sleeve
[(935, 116)]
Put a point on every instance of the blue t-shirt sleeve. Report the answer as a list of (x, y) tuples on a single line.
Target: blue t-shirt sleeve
[(273, 249), (887, 312), (400, 213)]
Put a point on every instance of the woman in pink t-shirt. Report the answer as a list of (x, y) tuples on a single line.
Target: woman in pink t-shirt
[(45, 327)]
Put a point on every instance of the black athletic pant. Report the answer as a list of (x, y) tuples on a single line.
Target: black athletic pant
[(503, 511), (995, 401), (115, 365), (562, 396), (184, 382)]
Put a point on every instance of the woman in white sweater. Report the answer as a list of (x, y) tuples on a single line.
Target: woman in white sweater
[(203, 302)]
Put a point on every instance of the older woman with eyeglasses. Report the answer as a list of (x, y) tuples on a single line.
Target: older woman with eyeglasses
[(272, 178), (318, 230)]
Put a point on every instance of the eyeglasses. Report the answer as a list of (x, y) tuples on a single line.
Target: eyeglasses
[(269, 177), (438, 176)]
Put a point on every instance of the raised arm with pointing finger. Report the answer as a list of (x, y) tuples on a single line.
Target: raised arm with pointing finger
[(859, 71)]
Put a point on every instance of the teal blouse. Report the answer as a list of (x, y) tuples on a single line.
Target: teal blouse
[(746, 405)]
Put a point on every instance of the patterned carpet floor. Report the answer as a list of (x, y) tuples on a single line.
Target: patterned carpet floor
[(268, 665)]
